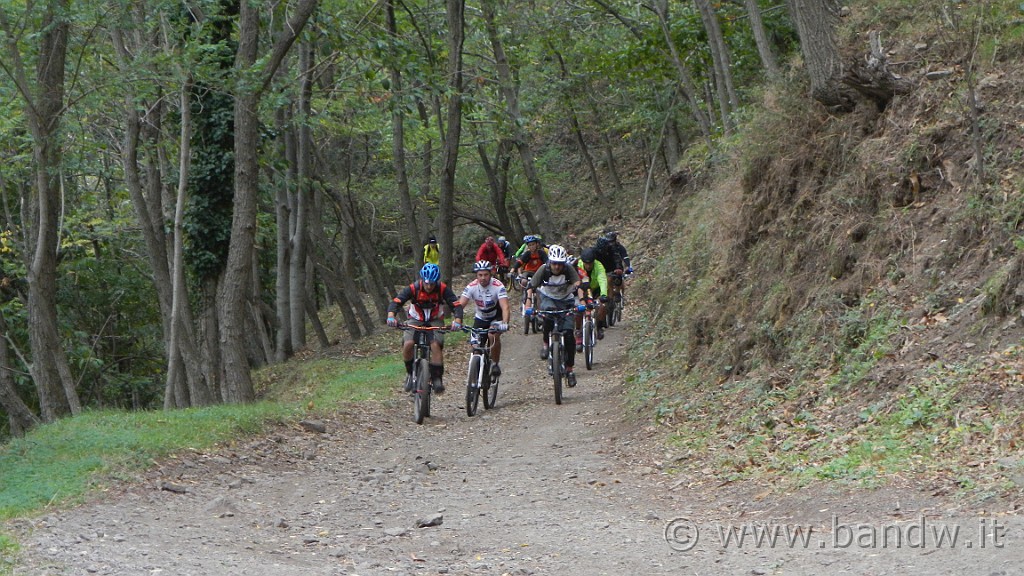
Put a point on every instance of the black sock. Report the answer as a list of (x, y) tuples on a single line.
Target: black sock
[(408, 366)]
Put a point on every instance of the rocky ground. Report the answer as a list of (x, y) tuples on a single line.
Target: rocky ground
[(526, 488)]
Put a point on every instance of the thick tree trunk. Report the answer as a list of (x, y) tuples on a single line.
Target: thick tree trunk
[(236, 283), (44, 105), (815, 22)]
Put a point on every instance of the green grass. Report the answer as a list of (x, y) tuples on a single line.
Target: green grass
[(60, 463)]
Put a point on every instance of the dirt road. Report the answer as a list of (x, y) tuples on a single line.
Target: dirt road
[(526, 488)]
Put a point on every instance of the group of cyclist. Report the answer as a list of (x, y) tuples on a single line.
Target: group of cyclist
[(551, 277)]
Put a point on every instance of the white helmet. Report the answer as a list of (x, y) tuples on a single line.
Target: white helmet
[(557, 254)]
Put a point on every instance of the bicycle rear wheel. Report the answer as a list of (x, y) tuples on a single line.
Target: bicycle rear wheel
[(473, 385), (556, 364), (588, 342), (421, 391)]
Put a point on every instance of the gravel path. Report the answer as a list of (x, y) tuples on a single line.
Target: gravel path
[(526, 488)]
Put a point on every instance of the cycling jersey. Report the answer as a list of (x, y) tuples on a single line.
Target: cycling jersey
[(556, 286), (426, 306), (492, 253), (530, 262), (486, 298), (597, 277)]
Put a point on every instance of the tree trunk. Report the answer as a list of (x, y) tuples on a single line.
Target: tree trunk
[(453, 132), (147, 200), (19, 415), (720, 56), (510, 94), (398, 136), (815, 22), (44, 106), (174, 363), (498, 186), (299, 235), (686, 86), (574, 123), (764, 47), (283, 216), (235, 285)]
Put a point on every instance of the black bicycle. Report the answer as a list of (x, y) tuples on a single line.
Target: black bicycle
[(480, 381), (418, 383), (616, 300), (562, 325), (589, 338), (529, 322)]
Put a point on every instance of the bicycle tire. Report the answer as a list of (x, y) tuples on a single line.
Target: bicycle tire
[(472, 385), (421, 391), (618, 312), (490, 395), (588, 343), (609, 313), (556, 364)]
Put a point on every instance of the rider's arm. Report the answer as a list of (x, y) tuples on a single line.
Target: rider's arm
[(453, 302), (601, 276), (505, 312)]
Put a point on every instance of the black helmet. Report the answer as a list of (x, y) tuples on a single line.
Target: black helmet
[(588, 256)]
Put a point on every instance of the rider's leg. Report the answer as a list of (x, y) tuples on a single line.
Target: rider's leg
[(437, 364)]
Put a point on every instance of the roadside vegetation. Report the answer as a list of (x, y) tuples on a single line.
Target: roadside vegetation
[(842, 301)]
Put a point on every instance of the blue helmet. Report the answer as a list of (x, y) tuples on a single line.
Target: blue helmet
[(530, 238), (430, 273)]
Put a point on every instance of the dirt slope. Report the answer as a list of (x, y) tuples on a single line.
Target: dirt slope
[(527, 488)]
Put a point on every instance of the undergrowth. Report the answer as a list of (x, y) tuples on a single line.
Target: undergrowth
[(842, 301)]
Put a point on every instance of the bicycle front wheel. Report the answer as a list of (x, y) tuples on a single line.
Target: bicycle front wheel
[(473, 385), (421, 391), (490, 394), (609, 313), (556, 364), (588, 343)]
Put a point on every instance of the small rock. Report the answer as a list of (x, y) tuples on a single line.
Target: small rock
[(938, 74), (314, 426), (172, 487), (435, 520), (396, 532)]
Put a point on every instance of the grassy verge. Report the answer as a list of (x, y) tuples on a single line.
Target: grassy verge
[(59, 464)]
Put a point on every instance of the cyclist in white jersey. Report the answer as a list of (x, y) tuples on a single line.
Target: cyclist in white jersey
[(491, 300)]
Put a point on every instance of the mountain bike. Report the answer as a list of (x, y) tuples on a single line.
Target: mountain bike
[(529, 322), (418, 383), (616, 299), (589, 337), (562, 326), (480, 381)]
